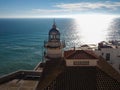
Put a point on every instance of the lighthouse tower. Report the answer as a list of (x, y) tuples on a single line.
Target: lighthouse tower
[(54, 46)]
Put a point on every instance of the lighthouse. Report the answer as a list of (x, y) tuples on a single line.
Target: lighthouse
[(54, 46)]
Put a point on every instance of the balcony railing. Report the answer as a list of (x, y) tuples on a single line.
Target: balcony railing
[(54, 44), (53, 55)]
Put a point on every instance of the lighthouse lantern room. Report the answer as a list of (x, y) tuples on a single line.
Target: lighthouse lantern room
[(54, 46)]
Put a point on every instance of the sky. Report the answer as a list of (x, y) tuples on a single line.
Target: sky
[(52, 8)]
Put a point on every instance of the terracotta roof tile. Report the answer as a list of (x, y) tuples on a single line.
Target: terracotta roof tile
[(79, 54)]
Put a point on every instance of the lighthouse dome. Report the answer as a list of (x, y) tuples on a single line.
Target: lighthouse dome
[(54, 31), (54, 34)]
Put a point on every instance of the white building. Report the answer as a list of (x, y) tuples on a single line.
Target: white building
[(80, 58), (110, 53)]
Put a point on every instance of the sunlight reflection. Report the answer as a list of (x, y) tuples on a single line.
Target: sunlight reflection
[(92, 28)]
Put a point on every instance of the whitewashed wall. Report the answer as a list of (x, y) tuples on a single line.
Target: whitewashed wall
[(114, 56), (71, 62)]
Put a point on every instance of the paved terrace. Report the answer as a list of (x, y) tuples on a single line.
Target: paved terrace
[(21, 80)]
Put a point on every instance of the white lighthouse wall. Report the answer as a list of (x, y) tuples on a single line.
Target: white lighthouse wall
[(54, 53)]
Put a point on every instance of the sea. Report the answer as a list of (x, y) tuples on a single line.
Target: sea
[(22, 39)]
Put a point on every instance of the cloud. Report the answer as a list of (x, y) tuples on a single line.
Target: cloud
[(77, 7), (47, 11), (89, 5)]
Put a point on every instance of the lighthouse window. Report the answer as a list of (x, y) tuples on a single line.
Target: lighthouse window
[(54, 36), (57, 36), (51, 36)]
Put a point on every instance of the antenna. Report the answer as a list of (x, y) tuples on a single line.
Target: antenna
[(54, 23)]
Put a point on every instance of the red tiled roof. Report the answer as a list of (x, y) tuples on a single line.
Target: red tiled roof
[(79, 54), (83, 78), (68, 53)]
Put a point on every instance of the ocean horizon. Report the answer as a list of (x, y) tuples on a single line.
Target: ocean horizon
[(22, 40)]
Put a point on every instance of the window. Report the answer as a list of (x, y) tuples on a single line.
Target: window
[(108, 56), (57, 36), (118, 55), (81, 62), (51, 36), (102, 54), (119, 66)]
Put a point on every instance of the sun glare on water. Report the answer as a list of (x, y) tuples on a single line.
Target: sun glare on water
[(93, 28)]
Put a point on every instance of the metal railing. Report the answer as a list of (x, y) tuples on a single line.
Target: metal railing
[(54, 44), (20, 75), (53, 56)]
